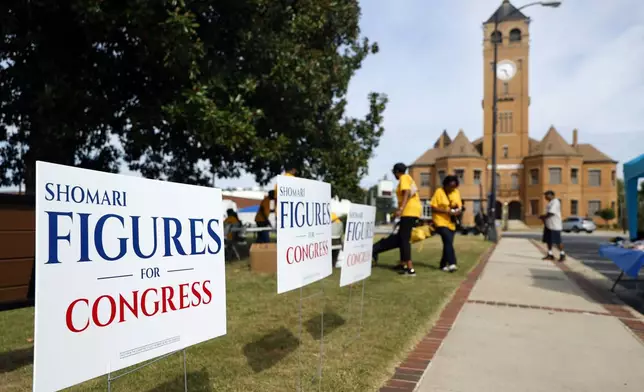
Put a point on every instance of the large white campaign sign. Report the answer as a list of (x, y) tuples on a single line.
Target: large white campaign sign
[(127, 269), (303, 232), (358, 244)]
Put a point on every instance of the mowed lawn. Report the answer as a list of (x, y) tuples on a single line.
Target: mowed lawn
[(262, 350)]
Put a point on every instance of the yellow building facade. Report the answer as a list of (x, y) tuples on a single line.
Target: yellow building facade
[(582, 177)]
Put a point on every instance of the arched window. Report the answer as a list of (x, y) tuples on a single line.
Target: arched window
[(496, 37), (515, 35)]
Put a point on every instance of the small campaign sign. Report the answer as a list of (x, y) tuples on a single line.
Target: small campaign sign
[(303, 232), (127, 269), (358, 244)]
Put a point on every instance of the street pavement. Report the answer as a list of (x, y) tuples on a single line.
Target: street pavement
[(585, 248), (528, 327)]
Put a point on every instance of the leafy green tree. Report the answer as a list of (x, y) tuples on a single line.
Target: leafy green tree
[(606, 214), (187, 88)]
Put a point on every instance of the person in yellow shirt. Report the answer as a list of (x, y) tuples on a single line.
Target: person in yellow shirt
[(447, 206), (261, 219), (409, 210), (230, 222)]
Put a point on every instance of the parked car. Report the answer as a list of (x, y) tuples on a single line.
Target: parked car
[(577, 224)]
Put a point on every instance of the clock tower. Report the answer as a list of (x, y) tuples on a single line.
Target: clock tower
[(512, 86)]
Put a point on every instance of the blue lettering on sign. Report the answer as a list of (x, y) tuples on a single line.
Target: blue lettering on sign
[(358, 230), (304, 213), (88, 233), (76, 194)]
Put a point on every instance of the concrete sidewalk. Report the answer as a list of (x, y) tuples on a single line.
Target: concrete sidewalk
[(527, 326)]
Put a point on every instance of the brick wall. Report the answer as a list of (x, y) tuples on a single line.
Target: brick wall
[(17, 246)]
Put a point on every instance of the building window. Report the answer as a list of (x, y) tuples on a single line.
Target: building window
[(515, 181), (476, 207), (460, 174), (477, 177), (515, 35), (427, 208), (612, 177), (534, 176), (594, 177), (593, 207), (441, 177), (574, 207), (425, 179), (574, 176), (506, 88), (534, 207), (505, 151), (505, 122), (555, 175), (496, 37), (612, 206)]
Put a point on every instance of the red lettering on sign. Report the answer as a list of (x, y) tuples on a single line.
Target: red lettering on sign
[(106, 309)]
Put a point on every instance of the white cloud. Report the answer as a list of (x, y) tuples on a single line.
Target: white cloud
[(585, 72), (586, 64)]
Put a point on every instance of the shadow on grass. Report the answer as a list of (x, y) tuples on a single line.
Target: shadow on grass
[(332, 321), (417, 264), (196, 381), (270, 349), (13, 360)]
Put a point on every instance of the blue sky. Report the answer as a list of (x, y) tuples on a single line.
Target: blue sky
[(586, 64), (587, 72)]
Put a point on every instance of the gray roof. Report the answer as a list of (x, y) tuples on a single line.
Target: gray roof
[(506, 12)]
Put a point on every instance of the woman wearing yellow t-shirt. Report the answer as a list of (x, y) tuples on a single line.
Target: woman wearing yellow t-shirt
[(446, 203), (231, 221), (409, 210)]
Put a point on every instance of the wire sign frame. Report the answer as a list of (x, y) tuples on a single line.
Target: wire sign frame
[(111, 377)]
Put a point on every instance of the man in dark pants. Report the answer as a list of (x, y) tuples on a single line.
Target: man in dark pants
[(552, 226)]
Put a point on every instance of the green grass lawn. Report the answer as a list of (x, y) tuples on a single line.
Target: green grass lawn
[(262, 352)]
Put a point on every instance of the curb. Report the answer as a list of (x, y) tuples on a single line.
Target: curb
[(613, 305), (410, 372)]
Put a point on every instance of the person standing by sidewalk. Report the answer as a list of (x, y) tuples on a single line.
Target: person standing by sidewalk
[(552, 226), (409, 210), (446, 205)]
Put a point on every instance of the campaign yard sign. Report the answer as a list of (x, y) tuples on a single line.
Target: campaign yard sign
[(127, 269), (358, 244), (303, 232)]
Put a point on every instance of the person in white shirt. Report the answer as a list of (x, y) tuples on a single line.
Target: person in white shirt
[(552, 226)]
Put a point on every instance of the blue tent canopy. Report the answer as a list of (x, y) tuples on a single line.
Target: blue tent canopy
[(249, 209), (633, 171)]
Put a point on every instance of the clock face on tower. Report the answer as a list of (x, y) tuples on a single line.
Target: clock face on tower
[(505, 70)]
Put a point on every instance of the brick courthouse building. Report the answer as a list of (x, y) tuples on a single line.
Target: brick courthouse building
[(583, 178)]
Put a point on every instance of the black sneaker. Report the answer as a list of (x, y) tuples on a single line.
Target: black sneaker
[(408, 272), (399, 267), (549, 257), (562, 258), (374, 259)]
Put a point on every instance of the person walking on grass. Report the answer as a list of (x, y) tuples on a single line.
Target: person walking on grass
[(409, 211), (552, 226), (446, 205)]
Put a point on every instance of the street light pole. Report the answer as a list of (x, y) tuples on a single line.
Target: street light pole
[(492, 234), (491, 205)]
